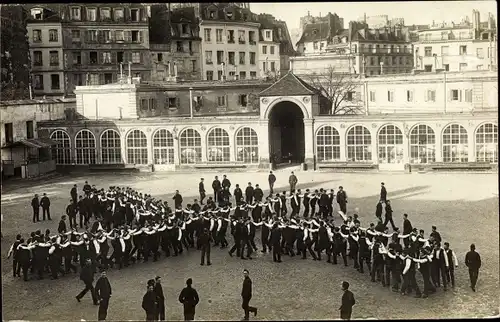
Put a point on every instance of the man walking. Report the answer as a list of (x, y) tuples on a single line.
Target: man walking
[(383, 193), (103, 293), (246, 295), (160, 300), (149, 302), (473, 262), (292, 180), (189, 298), (35, 204), (205, 240), (348, 302), (452, 264), (201, 188), (45, 203), (87, 276), (342, 200), (407, 229), (272, 180), (388, 215)]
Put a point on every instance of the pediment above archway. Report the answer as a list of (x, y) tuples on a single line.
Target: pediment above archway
[(289, 85)]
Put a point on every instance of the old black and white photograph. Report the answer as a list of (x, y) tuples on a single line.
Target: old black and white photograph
[(227, 161)]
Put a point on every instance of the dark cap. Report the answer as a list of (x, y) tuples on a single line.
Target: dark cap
[(151, 282), (189, 281)]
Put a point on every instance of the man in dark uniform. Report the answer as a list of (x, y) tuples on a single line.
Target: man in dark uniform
[(342, 200), (35, 204), (292, 180), (149, 303), (258, 194), (87, 189), (87, 276), (103, 293), (216, 186), (226, 184), (74, 194), (331, 198), (177, 200), (237, 232), (306, 202), (249, 194), (45, 203), (473, 262), (348, 302), (205, 240), (272, 180), (71, 210), (383, 193), (246, 295), (407, 229), (189, 298), (16, 270), (201, 188), (388, 215), (238, 195), (435, 234), (160, 299), (323, 204)]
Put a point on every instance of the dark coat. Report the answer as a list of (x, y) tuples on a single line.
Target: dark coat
[(383, 194), (238, 194), (473, 260), (407, 227), (35, 203), (45, 202), (258, 194), (103, 288), (62, 227), (226, 183), (348, 302), (216, 185), (149, 302), (159, 292), (87, 274), (201, 187), (272, 178), (189, 297), (246, 291), (249, 192)]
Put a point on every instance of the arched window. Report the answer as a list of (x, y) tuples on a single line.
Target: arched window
[(137, 147), (85, 147), (455, 144), (390, 145), (163, 147), (422, 144), (327, 144), (487, 143), (111, 147), (218, 149), (190, 146), (63, 148), (247, 146), (359, 144)]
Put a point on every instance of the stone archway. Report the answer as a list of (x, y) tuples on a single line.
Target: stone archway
[(286, 133)]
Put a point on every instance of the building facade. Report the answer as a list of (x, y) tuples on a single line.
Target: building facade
[(101, 40), (457, 47), (175, 44), (230, 38), (407, 123), (46, 49)]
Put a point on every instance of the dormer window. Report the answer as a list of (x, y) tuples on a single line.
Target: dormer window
[(211, 14), (229, 15), (75, 13), (37, 13), (314, 32)]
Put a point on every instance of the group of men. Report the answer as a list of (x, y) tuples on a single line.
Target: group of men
[(138, 225)]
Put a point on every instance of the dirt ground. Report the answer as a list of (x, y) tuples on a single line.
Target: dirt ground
[(464, 207)]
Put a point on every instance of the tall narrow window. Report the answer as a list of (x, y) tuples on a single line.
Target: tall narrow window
[(218, 146), (455, 144), (487, 143), (247, 146), (190, 146), (85, 147), (327, 144), (163, 147), (137, 147), (111, 150), (359, 144), (63, 148), (422, 145)]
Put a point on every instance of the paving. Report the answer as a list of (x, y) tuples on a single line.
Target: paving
[(464, 207)]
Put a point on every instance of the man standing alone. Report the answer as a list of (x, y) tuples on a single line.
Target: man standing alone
[(383, 193), (149, 304), (103, 293), (189, 298), (35, 204), (45, 203), (473, 262), (293, 182), (201, 188), (246, 294), (347, 302), (272, 180)]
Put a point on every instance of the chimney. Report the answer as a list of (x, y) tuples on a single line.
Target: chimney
[(377, 34), (475, 20), (350, 31), (490, 18)]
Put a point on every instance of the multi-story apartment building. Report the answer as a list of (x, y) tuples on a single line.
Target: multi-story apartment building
[(457, 47), (275, 47), (102, 39), (175, 44), (46, 49), (358, 49), (230, 36), (318, 32)]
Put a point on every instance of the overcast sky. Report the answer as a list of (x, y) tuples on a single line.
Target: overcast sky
[(418, 12)]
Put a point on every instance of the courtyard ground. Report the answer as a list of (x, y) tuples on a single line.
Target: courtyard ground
[(464, 207)]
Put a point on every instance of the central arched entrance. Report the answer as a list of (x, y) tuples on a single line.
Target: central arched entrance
[(286, 134)]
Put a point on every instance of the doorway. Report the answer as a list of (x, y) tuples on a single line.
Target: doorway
[(286, 134)]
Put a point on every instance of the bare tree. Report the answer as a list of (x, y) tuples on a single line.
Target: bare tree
[(340, 92)]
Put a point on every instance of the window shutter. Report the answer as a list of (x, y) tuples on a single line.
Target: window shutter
[(128, 36), (141, 37), (114, 57), (142, 16), (225, 101), (460, 95)]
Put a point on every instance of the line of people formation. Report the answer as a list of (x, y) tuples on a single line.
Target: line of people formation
[(139, 225)]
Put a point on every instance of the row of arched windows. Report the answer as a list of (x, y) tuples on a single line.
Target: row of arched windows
[(422, 141), (136, 148), (422, 144)]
